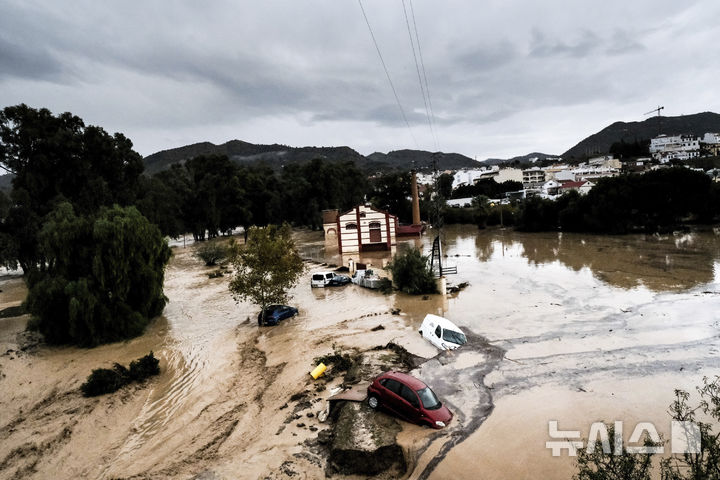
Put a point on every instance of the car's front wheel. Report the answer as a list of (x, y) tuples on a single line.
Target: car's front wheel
[(373, 402)]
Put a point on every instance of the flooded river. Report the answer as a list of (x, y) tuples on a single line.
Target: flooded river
[(573, 328), (593, 328)]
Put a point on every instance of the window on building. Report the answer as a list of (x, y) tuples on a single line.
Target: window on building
[(350, 226)]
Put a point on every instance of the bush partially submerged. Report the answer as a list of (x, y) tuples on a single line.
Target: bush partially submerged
[(144, 367), (211, 253), (106, 380), (411, 273)]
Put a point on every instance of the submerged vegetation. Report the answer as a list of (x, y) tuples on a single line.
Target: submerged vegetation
[(108, 380), (211, 253), (411, 273)]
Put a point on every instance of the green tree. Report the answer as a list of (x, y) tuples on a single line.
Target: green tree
[(612, 465), (481, 206), (705, 464), (164, 199), (445, 182), (411, 273), (318, 185), (54, 159), (217, 201), (391, 192), (266, 267), (104, 276), (537, 214), (211, 252)]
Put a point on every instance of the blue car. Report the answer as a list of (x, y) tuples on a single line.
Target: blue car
[(275, 313)]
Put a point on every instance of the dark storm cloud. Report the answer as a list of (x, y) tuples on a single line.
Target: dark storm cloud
[(311, 66), (20, 61)]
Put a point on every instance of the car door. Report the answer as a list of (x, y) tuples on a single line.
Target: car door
[(412, 404), (392, 399)]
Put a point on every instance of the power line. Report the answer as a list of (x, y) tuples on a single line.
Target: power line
[(417, 69), (387, 74), (427, 86)]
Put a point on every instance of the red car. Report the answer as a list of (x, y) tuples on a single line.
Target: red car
[(408, 398)]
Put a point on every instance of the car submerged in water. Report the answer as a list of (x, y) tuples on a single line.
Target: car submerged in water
[(328, 279), (275, 313), (442, 333), (408, 398)]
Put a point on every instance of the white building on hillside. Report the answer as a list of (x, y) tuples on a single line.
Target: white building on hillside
[(533, 177), (468, 176), (591, 173), (552, 171), (674, 147)]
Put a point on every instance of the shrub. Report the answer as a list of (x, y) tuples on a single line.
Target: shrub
[(386, 286), (106, 380), (211, 253), (144, 367), (411, 273)]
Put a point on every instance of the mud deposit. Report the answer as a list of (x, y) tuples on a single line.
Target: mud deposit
[(563, 327)]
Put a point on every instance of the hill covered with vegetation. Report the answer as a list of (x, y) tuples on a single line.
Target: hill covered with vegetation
[(639, 132)]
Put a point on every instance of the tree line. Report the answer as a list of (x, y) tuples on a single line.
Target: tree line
[(209, 195), (87, 227), (659, 200)]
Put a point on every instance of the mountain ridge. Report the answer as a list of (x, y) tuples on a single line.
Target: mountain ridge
[(277, 155), (599, 143)]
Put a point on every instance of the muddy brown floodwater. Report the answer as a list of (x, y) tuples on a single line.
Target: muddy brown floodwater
[(573, 328)]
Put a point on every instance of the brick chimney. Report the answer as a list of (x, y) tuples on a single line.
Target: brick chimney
[(415, 199)]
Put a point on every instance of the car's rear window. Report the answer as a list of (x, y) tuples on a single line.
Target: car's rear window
[(318, 277)]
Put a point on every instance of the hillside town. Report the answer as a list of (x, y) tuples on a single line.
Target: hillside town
[(554, 180)]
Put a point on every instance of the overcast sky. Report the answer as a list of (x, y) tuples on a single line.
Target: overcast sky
[(505, 77)]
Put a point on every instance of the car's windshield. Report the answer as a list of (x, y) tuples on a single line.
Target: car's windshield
[(428, 399), (454, 337)]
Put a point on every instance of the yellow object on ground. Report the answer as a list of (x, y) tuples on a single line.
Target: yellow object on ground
[(317, 371)]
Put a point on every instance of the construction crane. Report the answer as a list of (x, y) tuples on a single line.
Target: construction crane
[(656, 110)]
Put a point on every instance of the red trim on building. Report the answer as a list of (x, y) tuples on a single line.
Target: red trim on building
[(339, 234), (357, 218), (387, 228)]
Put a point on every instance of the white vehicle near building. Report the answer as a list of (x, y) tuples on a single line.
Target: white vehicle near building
[(442, 333), (321, 279)]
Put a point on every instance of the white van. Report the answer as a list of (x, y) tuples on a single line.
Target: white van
[(441, 332), (321, 279)]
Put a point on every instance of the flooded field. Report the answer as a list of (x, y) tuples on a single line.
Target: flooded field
[(564, 327)]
